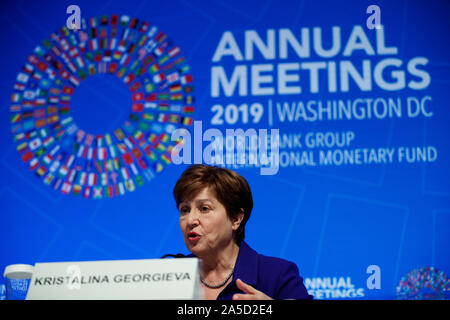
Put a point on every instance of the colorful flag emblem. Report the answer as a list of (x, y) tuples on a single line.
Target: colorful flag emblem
[(50, 140)]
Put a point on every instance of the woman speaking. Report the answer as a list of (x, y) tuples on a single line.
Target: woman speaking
[(214, 205)]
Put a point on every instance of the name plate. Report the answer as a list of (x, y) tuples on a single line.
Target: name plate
[(119, 279)]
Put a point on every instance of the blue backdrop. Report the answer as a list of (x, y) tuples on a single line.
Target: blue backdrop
[(315, 70)]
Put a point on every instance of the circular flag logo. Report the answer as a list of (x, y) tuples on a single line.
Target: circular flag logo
[(424, 284), (74, 161)]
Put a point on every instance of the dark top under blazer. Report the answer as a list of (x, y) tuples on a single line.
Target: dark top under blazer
[(277, 278)]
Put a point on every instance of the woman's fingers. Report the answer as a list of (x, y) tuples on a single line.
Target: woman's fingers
[(244, 297), (245, 287), (250, 292)]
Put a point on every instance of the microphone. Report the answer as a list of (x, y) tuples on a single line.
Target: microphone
[(170, 255)]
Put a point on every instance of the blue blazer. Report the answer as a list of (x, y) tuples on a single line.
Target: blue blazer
[(277, 278)]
